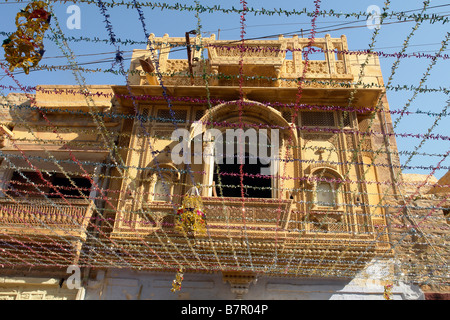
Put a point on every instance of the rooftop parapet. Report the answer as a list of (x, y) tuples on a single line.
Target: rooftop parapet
[(265, 63)]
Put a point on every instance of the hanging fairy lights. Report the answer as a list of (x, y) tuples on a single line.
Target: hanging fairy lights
[(180, 237)]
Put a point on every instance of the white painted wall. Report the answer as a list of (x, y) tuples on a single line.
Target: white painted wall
[(138, 285)]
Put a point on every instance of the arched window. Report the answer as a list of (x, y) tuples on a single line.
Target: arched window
[(159, 182), (252, 145), (325, 195), (162, 189), (325, 189)]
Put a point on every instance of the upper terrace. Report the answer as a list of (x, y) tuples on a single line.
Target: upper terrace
[(270, 63), (324, 64)]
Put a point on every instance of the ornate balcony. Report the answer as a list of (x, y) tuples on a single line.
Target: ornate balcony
[(264, 229), (45, 217), (224, 216), (255, 217)]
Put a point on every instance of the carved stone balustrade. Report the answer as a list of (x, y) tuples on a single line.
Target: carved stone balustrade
[(253, 217), (328, 221), (49, 217), (266, 63), (150, 217)]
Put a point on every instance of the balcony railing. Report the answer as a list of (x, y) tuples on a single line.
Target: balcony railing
[(328, 221), (55, 217), (266, 62), (252, 215), (223, 215)]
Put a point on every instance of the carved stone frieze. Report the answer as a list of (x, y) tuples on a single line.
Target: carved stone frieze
[(240, 282)]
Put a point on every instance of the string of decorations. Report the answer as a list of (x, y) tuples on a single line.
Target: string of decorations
[(350, 100), (294, 190), (253, 48), (294, 115), (79, 80), (332, 83), (119, 61), (433, 18), (134, 253), (112, 114)]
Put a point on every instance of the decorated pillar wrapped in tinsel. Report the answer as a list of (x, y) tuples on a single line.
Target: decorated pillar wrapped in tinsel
[(191, 218), (24, 48)]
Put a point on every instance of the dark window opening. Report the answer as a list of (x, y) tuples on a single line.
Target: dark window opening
[(30, 184), (64, 187), (257, 186), (446, 213)]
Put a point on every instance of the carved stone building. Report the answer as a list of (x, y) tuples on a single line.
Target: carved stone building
[(89, 178)]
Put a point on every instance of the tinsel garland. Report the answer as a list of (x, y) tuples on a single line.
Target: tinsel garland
[(444, 44), (112, 114), (242, 257), (433, 18), (370, 52), (345, 84), (169, 103), (352, 94), (284, 160), (253, 48), (176, 284), (119, 61), (393, 69), (294, 190), (190, 215), (55, 131), (433, 208), (24, 48), (388, 292)]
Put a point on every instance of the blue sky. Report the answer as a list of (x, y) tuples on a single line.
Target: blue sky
[(126, 25)]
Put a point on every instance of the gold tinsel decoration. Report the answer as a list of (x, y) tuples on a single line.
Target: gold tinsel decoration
[(191, 218), (388, 292), (176, 284), (24, 48)]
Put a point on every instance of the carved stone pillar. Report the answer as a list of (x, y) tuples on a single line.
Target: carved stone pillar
[(164, 54), (5, 177), (348, 66), (214, 80), (329, 54)]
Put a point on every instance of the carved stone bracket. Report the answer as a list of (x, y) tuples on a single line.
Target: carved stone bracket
[(239, 282)]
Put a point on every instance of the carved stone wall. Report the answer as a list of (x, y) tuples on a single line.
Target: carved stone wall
[(27, 288)]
